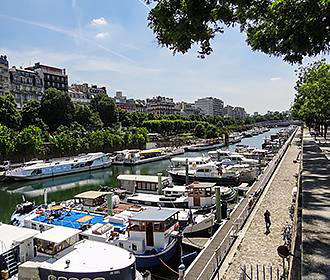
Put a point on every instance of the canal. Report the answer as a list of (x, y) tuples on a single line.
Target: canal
[(65, 187)]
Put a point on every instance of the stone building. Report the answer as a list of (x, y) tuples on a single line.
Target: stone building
[(161, 105), (210, 106), (52, 77), (4, 75), (25, 85)]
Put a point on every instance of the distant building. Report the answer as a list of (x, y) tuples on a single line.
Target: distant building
[(239, 113), (25, 85), (188, 108), (161, 105), (85, 88), (255, 114), (228, 111), (4, 75), (210, 106), (130, 104), (52, 77)]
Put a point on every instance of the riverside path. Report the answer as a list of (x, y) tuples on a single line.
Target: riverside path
[(253, 246), (316, 208)]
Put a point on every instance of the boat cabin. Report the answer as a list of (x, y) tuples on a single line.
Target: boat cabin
[(91, 198), (200, 194), (142, 183), (219, 154), (151, 229), (55, 240), (180, 162), (16, 246)]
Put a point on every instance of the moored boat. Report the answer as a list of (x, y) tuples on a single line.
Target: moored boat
[(42, 170)]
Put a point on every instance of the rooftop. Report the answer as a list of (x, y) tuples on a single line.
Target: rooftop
[(141, 178), (89, 256), (91, 195), (57, 234), (10, 234), (154, 215)]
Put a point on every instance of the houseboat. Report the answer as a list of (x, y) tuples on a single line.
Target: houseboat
[(42, 170), (178, 163), (206, 173), (204, 146)]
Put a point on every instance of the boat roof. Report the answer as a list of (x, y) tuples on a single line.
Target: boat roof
[(9, 234), (91, 195), (200, 185), (190, 159), (88, 256), (154, 215), (150, 151), (147, 197), (57, 234), (176, 188), (141, 178)]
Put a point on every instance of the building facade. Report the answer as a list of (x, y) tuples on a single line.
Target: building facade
[(239, 113), (52, 77), (4, 75), (161, 105), (188, 108), (25, 85), (228, 111), (210, 106)]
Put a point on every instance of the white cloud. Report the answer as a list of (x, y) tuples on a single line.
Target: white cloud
[(99, 22), (101, 35), (275, 79)]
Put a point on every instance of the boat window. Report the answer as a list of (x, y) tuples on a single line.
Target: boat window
[(148, 186), (73, 278), (158, 227), (62, 278), (89, 163), (36, 172), (134, 247), (52, 277)]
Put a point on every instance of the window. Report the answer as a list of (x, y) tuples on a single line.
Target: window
[(134, 247)]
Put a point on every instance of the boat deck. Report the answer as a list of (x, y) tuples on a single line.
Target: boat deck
[(74, 219)]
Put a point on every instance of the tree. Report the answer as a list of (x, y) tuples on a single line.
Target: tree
[(56, 108), (287, 28), (87, 118), (9, 115), (312, 101), (7, 143), (106, 108), (31, 115), (200, 131), (30, 141)]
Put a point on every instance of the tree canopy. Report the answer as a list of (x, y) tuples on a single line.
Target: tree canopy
[(312, 100), (9, 115), (106, 108), (56, 108), (287, 28)]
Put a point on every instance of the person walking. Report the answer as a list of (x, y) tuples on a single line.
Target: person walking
[(267, 221)]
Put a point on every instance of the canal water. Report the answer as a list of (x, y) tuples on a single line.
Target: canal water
[(65, 187)]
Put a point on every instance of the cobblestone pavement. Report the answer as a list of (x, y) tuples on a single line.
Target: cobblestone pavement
[(316, 209), (256, 247)]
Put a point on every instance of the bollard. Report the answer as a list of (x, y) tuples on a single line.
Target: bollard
[(187, 172), (218, 204), (160, 184), (182, 269), (109, 202), (45, 197)]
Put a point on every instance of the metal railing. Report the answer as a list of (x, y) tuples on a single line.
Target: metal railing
[(260, 272)]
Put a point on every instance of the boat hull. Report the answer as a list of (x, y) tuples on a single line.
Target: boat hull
[(152, 260), (51, 175), (230, 181), (201, 229)]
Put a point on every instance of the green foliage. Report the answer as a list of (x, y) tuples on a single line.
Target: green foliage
[(9, 115), (199, 130), (87, 118), (287, 28), (211, 131), (31, 115), (106, 108), (312, 101), (30, 141), (7, 142), (96, 139), (56, 108)]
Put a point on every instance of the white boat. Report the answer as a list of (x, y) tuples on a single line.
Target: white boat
[(209, 172), (42, 170), (204, 146), (146, 156), (248, 174), (178, 163)]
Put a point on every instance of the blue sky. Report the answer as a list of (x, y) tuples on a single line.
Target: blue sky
[(107, 42)]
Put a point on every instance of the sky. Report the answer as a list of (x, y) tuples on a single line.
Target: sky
[(109, 43)]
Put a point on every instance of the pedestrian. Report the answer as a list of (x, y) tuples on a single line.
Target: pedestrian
[(267, 221)]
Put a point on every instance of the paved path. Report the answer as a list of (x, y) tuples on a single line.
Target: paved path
[(316, 208), (256, 247)]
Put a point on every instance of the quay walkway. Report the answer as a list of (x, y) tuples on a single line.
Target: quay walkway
[(205, 265), (316, 208)]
